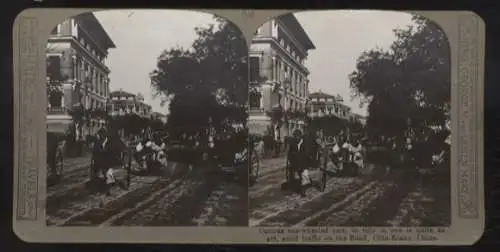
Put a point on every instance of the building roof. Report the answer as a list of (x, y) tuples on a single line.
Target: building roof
[(121, 93), (295, 27), (320, 94), (95, 27)]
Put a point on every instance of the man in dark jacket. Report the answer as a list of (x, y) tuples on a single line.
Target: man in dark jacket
[(298, 158), (98, 155), (103, 157)]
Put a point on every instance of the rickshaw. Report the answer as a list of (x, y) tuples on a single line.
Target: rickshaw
[(55, 159), (153, 158), (120, 161), (232, 159)]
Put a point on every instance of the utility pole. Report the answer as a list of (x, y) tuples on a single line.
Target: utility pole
[(306, 115), (85, 100), (286, 84)]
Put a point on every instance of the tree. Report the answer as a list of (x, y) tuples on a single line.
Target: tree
[(407, 87), (207, 82)]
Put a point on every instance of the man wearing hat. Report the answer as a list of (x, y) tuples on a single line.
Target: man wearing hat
[(298, 160), (102, 155), (97, 153)]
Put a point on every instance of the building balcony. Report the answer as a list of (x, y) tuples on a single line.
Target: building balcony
[(122, 112), (256, 111), (318, 114), (56, 111)]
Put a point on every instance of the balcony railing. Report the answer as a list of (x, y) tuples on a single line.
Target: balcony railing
[(128, 112), (256, 111), (56, 111)]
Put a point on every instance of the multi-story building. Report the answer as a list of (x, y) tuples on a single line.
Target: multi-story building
[(121, 103), (278, 74), (323, 104), (76, 70)]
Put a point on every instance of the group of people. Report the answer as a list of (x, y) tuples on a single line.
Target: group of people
[(191, 149), (345, 151), (313, 151), (151, 149)]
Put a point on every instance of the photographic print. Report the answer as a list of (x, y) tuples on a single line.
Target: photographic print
[(146, 120), (333, 127), (351, 121)]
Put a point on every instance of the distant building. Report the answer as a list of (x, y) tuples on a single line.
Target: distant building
[(122, 103), (278, 72), (323, 104), (76, 72)]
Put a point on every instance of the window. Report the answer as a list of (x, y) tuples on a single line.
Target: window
[(254, 69), (54, 68)]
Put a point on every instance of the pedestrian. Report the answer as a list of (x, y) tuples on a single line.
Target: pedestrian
[(320, 144), (298, 161), (358, 155), (111, 158), (98, 157), (336, 155), (344, 153), (102, 156)]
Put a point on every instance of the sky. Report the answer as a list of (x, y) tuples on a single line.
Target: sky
[(339, 36)]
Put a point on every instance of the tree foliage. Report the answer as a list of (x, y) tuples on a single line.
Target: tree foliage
[(205, 82), (407, 88)]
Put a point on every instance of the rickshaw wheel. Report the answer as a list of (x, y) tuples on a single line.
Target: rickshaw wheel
[(323, 182), (324, 176), (255, 166), (91, 168), (127, 166), (59, 164)]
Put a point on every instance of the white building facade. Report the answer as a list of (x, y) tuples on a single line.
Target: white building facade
[(76, 52), (279, 78)]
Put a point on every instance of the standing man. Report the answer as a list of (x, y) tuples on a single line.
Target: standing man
[(101, 155), (98, 155), (298, 160)]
